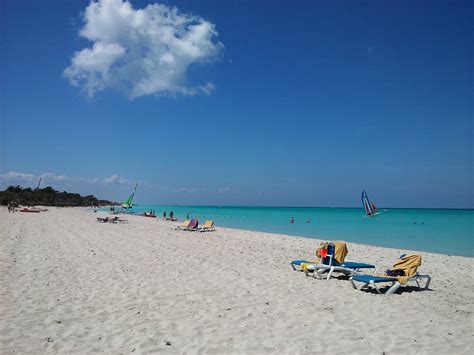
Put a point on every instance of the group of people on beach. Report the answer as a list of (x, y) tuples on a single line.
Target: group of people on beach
[(11, 208), (171, 214)]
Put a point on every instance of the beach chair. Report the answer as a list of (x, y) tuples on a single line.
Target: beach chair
[(184, 225), (333, 261), (119, 220), (192, 226), (301, 265), (207, 227), (406, 266), (115, 219)]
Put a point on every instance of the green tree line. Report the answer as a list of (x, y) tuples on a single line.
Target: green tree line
[(47, 197)]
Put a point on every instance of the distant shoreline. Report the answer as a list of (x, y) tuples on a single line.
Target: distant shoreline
[(243, 206)]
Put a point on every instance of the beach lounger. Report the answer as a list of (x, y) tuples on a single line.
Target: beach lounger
[(183, 226), (111, 220), (334, 261), (302, 265), (408, 265), (207, 227), (192, 226)]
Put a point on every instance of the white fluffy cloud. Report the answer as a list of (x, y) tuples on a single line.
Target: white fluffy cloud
[(222, 190), (207, 88), (115, 179), (141, 52)]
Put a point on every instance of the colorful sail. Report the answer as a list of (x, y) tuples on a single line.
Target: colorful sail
[(128, 203), (374, 208), (370, 208)]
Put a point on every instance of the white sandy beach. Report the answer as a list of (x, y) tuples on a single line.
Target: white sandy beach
[(70, 284)]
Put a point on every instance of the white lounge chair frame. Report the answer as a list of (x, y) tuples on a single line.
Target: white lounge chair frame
[(182, 226), (320, 269), (396, 284), (205, 228)]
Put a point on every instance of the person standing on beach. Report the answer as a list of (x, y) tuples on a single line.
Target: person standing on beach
[(171, 214), (164, 214)]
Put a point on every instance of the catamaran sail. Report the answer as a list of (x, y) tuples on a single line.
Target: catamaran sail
[(370, 208), (128, 203), (36, 192)]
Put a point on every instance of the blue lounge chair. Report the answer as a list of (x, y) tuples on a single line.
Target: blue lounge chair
[(408, 264), (330, 264), (297, 264)]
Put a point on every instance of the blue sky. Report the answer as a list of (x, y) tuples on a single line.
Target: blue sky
[(261, 103)]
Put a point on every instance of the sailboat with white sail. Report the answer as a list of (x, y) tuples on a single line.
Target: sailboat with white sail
[(370, 208)]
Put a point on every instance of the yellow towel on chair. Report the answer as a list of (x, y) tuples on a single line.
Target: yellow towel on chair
[(341, 251), (409, 264)]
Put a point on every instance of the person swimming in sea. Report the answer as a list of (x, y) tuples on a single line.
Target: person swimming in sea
[(308, 220), (292, 220)]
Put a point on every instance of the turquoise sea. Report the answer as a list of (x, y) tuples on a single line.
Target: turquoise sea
[(445, 231)]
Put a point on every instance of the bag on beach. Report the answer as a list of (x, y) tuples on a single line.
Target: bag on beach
[(395, 272), (322, 251)]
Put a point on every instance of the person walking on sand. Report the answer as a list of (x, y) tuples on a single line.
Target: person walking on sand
[(164, 214)]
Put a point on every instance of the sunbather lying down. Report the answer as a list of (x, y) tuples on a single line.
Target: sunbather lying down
[(111, 220)]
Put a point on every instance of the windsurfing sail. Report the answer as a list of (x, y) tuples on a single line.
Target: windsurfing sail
[(35, 195), (128, 203), (374, 208), (370, 208)]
